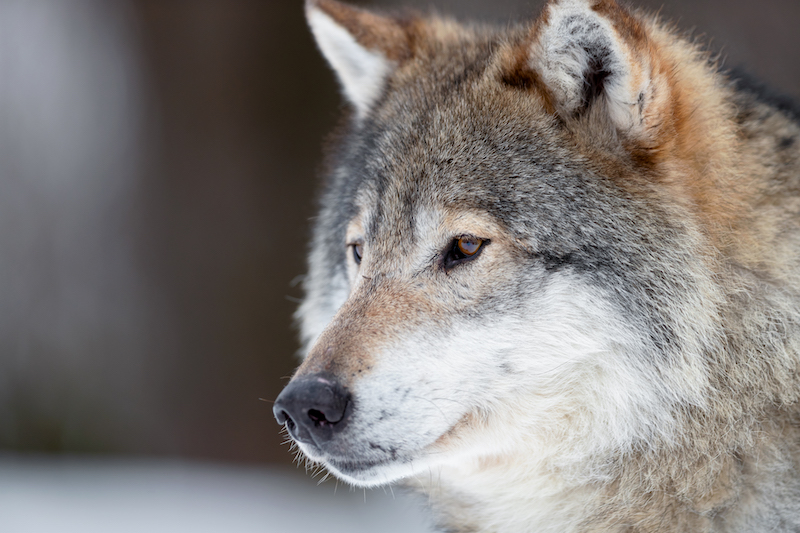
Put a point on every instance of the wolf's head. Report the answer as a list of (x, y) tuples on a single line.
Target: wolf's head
[(512, 253)]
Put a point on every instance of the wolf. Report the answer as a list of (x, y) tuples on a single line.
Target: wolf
[(554, 283)]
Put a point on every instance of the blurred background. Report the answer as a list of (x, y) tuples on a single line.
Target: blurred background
[(158, 167)]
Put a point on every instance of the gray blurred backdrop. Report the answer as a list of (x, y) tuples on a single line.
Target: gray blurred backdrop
[(158, 167)]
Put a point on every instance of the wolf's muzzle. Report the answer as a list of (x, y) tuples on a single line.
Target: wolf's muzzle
[(313, 408)]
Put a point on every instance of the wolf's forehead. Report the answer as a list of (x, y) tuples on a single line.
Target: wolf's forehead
[(398, 210), (451, 136), (452, 164)]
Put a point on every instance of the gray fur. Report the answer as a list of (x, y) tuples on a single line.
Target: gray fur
[(710, 315)]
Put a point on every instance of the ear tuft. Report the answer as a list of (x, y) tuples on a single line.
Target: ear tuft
[(361, 47), (593, 55)]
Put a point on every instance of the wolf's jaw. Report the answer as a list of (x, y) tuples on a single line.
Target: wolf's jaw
[(370, 474), (366, 475), (361, 473)]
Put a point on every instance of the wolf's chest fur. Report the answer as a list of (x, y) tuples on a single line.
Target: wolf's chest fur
[(554, 282)]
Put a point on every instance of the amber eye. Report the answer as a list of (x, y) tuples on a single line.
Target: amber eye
[(469, 246), (463, 249), (358, 250)]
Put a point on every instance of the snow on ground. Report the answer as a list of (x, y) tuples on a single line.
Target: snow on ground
[(42, 494)]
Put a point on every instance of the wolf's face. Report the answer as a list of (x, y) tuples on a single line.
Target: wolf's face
[(486, 276)]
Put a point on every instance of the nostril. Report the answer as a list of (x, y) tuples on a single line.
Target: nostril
[(320, 419), (316, 416), (284, 417)]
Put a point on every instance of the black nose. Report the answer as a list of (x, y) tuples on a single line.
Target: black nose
[(314, 408)]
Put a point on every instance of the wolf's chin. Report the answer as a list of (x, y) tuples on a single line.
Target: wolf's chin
[(369, 474), (361, 473)]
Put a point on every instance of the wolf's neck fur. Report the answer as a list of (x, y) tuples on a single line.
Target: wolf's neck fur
[(677, 491), (507, 495)]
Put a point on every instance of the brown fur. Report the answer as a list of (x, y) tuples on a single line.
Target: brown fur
[(393, 37), (364, 326)]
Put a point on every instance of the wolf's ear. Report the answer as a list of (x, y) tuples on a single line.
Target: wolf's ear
[(593, 56), (363, 48)]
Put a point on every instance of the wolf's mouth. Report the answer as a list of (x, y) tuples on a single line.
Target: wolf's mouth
[(360, 469), (340, 458)]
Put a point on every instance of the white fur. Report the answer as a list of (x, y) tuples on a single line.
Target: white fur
[(566, 358), (553, 386), (362, 72)]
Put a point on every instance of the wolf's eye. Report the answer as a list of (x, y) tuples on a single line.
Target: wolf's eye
[(358, 250), (468, 246), (463, 249)]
